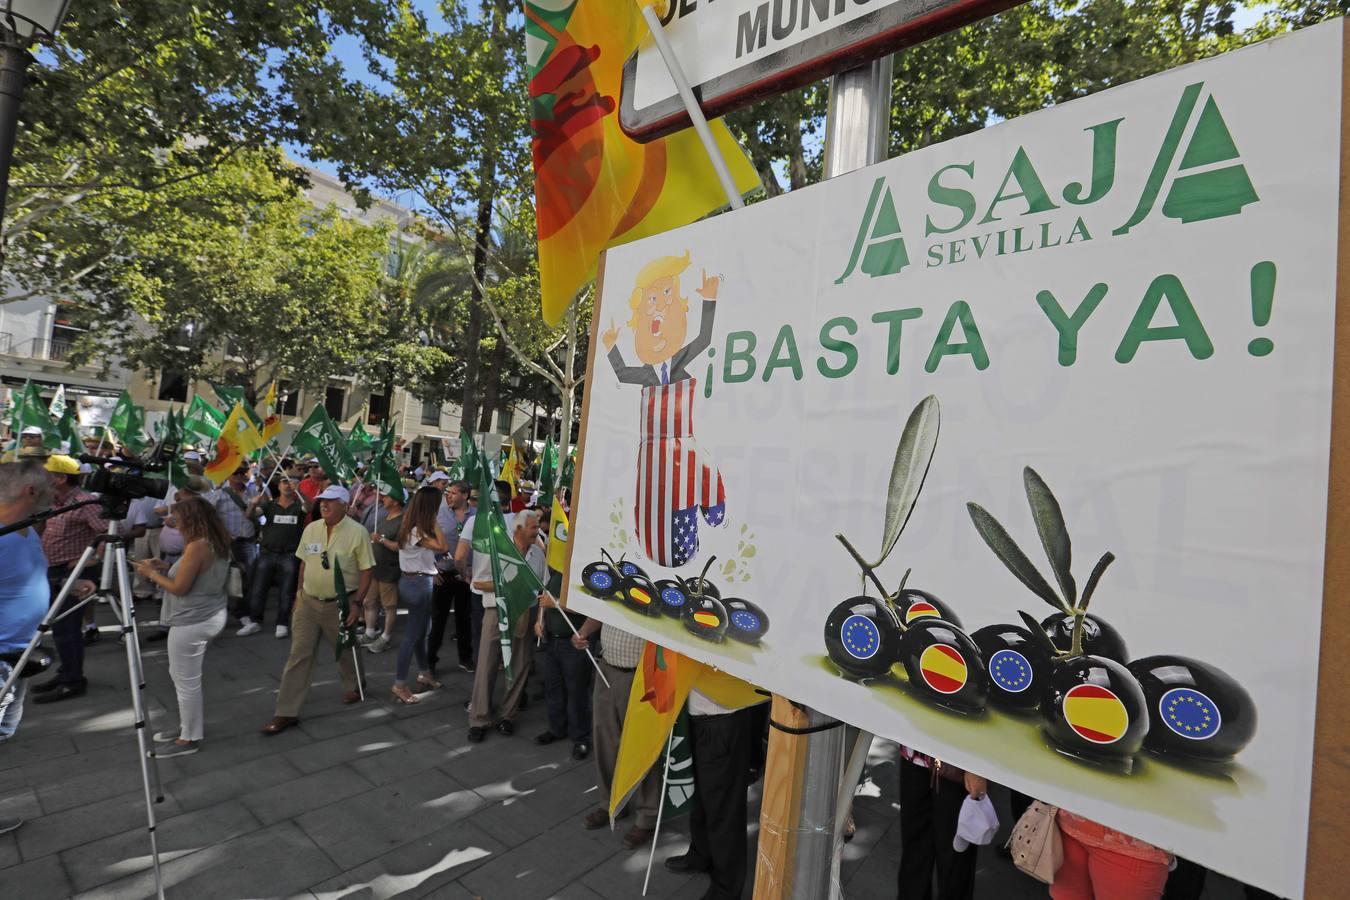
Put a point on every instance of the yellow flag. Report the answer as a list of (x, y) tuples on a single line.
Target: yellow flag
[(557, 536), (238, 438), (271, 426), (511, 469), (594, 186)]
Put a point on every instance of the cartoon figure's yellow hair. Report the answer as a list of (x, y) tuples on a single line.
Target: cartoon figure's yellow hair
[(661, 267)]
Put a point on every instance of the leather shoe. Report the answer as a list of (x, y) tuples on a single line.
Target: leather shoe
[(546, 738), (61, 692), (351, 697), (506, 726), (581, 750), (279, 724), (45, 687), (599, 818), (686, 862), (637, 836), (476, 734)]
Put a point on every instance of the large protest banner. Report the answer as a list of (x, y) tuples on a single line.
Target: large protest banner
[(1126, 304)]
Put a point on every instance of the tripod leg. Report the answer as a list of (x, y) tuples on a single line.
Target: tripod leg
[(149, 764)]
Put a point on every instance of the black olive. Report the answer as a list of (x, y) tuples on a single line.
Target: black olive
[(701, 587), (705, 617), (1017, 665), (1197, 710), (628, 569), (748, 622), (672, 595), (915, 605), (1094, 707), (1100, 638), (601, 580), (944, 664), (862, 636), (639, 595)]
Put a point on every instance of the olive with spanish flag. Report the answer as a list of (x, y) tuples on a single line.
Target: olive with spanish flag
[(1197, 710), (673, 596), (640, 595), (602, 579), (1100, 638), (862, 637), (747, 622), (914, 604), (706, 617), (1092, 706), (1017, 663), (944, 664)]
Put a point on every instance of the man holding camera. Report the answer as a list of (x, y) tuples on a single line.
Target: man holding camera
[(63, 541)]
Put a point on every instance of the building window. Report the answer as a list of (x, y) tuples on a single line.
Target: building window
[(379, 409), (173, 385), (288, 399), (335, 401), (504, 422), (65, 332), (431, 413)]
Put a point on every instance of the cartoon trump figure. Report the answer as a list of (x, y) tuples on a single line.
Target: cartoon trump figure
[(676, 480)]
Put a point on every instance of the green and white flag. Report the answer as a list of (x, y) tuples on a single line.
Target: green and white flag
[(58, 405), (384, 473), (321, 437), (515, 584), (346, 633), (123, 418), (548, 474), (678, 798), (359, 443), (68, 431), (30, 411), (203, 419), (469, 457)]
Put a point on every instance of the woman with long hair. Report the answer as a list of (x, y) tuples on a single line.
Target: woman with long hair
[(420, 538), (194, 610)]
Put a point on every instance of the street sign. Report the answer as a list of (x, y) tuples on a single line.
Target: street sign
[(737, 51)]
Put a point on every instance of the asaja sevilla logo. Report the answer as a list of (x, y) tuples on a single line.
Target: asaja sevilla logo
[(943, 668), (1096, 713)]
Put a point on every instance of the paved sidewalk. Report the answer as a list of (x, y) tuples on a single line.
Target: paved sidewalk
[(371, 801)]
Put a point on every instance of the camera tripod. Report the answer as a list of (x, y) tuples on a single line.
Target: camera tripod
[(124, 608)]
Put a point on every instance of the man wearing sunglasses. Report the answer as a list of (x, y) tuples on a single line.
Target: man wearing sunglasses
[(330, 541)]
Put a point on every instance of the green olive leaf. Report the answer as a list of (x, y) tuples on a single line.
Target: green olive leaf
[(1006, 549), (1054, 535), (913, 455), (1038, 634), (1091, 587)]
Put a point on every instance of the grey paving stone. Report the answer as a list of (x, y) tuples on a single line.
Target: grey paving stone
[(310, 792), (127, 853), (541, 867), (195, 791), (78, 786), (576, 891), (278, 861), (615, 878), (342, 748), (423, 867), (407, 758), (9, 850), (36, 880), (340, 720), (79, 825), (520, 813), (373, 823), (24, 750)]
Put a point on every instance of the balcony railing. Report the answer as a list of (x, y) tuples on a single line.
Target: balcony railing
[(54, 350)]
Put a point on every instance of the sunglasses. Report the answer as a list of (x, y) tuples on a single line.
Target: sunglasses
[(323, 560)]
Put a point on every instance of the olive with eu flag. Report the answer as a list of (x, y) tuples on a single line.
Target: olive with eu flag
[(747, 623), (944, 665), (1196, 710), (673, 596), (1093, 707), (862, 637), (914, 604), (1017, 662), (602, 578)]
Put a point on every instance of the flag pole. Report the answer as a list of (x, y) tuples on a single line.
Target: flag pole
[(568, 620), (656, 832), (696, 117)]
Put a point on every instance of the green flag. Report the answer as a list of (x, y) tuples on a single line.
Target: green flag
[(346, 633), (120, 421), (68, 429), (679, 779), (230, 395), (321, 437), (548, 474), (468, 457), (515, 584), (134, 435), (203, 419), (569, 468), (30, 411), (384, 473), (58, 405), (359, 443)]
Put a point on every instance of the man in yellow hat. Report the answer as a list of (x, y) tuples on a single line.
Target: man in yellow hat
[(63, 542)]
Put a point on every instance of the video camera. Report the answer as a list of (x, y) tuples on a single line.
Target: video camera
[(117, 487)]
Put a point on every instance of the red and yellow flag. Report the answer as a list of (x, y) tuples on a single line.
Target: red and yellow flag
[(661, 686), (594, 186), (238, 438)]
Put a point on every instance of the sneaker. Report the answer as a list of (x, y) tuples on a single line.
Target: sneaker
[(283, 632), (176, 749), (90, 636), (466, 667), (369, 637), (379, 645), (165, 737), (249, 627)]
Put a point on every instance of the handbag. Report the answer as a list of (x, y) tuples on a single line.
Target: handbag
[(1037, 848)]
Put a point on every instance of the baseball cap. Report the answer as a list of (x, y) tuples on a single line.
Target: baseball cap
[(32, 429), (437, 476), (62, 465), (192, 456), (199, 484), (335, 492), (977, 823)]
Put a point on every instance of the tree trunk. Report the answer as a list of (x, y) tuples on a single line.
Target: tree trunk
[(798, 177), (492, 390), (487, 174)]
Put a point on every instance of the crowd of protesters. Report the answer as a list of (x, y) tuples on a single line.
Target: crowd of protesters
[(282, 543)]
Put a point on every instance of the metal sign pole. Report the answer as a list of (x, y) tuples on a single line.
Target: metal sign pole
[(802, 781)]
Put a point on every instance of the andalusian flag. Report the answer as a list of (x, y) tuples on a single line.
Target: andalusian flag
[(514, 583), (594, 186), (271, 424), (557, 537), (237, 440), (203, 419), (661, 686)]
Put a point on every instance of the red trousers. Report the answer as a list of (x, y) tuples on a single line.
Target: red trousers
[(1094, 873)]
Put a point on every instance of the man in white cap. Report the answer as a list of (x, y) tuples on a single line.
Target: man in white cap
[(331, 541), (31, 436)]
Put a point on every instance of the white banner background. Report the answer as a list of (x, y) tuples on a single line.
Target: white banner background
[(1207, 477)]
